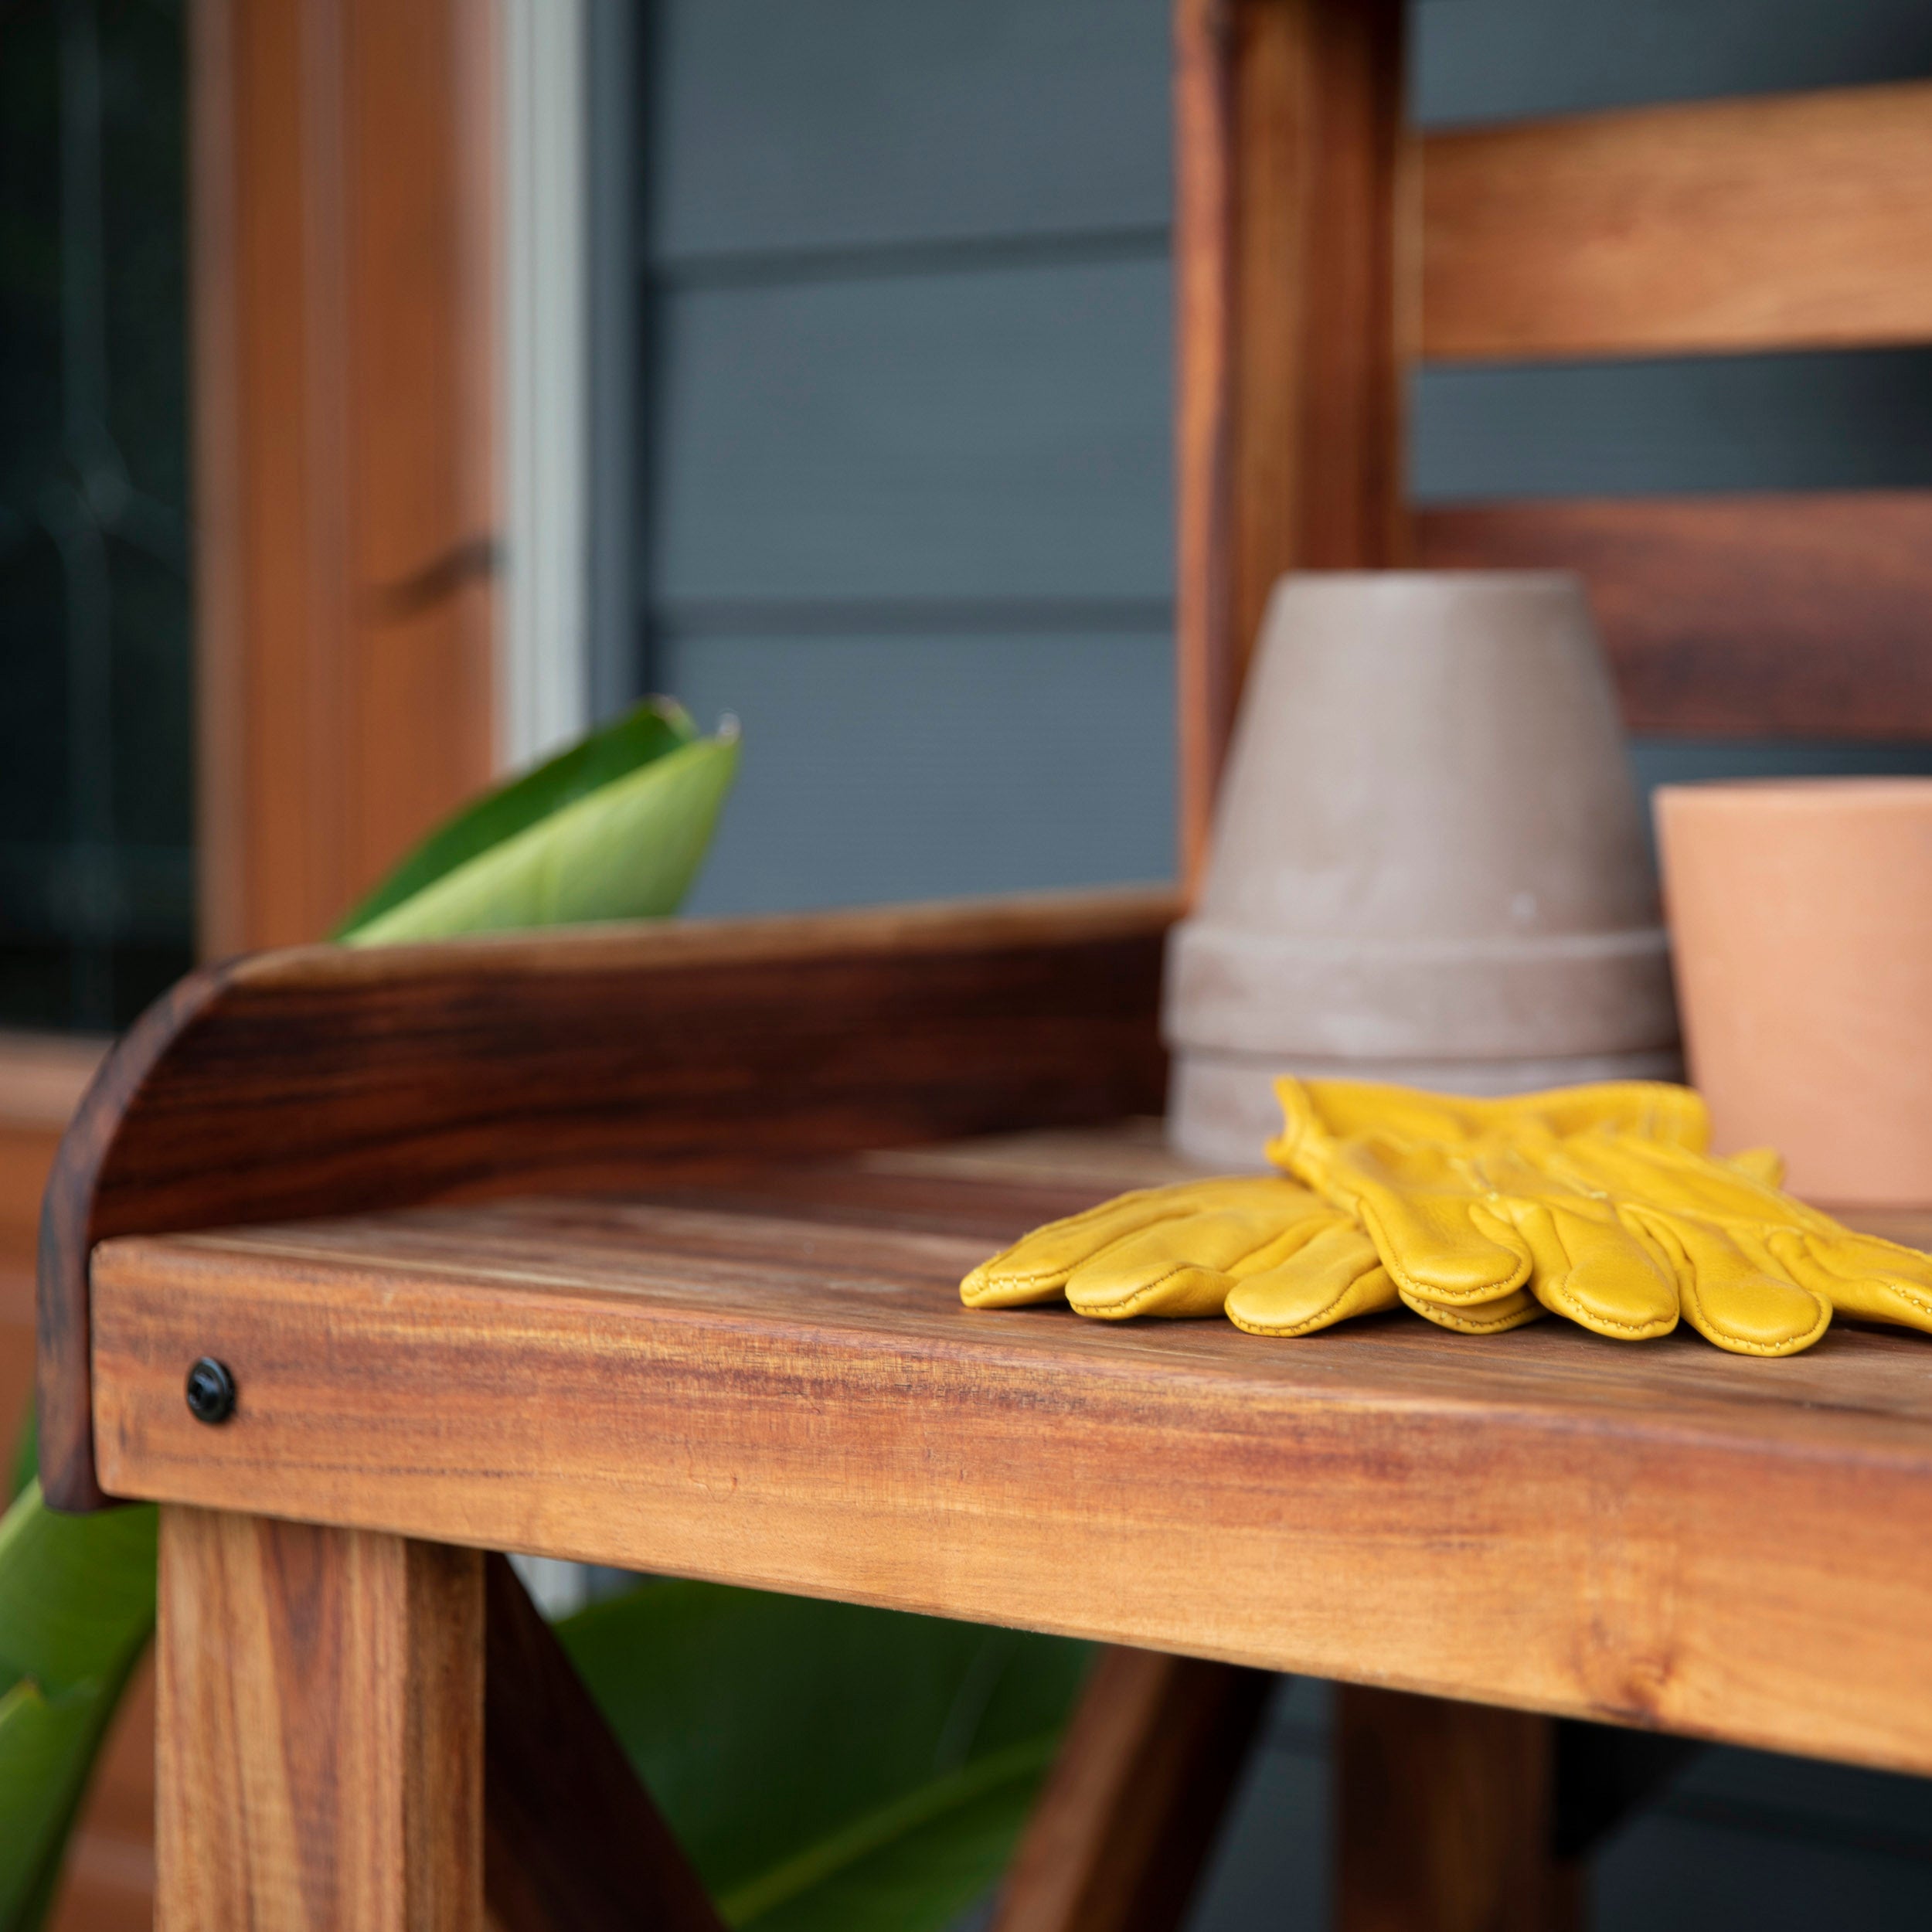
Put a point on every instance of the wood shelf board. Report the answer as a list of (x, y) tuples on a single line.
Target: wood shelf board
[(776, 1385), (1769, 222), (330, 1080)]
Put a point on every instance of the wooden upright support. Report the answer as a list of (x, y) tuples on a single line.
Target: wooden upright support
[(1298, 288), (1293, 328), (321, 1729), (345, 199)]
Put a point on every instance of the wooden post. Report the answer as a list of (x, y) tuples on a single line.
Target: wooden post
[(1298, 281), (344, 206), (1445, 1813), (319, 1761), (1292, 278)]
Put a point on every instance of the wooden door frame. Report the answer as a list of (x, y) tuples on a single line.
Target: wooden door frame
[(345, 200), (344, 206)]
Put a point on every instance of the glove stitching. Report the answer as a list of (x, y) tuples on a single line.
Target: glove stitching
[(1689, 1296), (1575, 1309), (1132, 1304), (1428, 1291), (1043, 1279), (1324, 1317), (1584, 1318), (1738, 1344), (1118, 1311), (1466, 1325)]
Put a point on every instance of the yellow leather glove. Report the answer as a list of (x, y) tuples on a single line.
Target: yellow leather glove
[(1184, 1251), (1275, 1258), (1602, 1202), (1757, 1272), (1459, 1216)]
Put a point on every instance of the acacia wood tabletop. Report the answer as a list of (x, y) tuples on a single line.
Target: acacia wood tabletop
[(772, 1381)]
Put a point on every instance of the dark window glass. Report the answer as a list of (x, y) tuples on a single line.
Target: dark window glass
[(96, 876)]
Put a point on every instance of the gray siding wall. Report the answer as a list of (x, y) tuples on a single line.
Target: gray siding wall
[(911, 455), (908, 502), (906, 511)]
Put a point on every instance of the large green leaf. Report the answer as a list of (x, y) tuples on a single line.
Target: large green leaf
[(829, 1768), (629, 850), (649, 731), (26, 1454), (77, 1606)]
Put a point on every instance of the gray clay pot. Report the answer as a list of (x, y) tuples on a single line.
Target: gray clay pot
[(1428, 862)]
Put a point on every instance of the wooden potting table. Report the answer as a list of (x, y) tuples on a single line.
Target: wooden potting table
[(641, 1247)]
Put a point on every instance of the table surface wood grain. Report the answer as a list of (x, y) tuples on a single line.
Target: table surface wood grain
[(772, 1381)]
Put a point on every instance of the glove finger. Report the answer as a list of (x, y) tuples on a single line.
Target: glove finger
[(1674, 1181), (1332, 1277), (1186, 1267), (1763, 1164), (1436, 1250), (1036, 1267), (1412, 1197), (1590, 1268), (1861, 1276), (1644, 1110), (1732, 1298), (1507, 1311)]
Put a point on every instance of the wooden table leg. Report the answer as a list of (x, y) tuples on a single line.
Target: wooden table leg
[(1445, 1818), (1128, 1815), (319, 1759), (572, 1840)]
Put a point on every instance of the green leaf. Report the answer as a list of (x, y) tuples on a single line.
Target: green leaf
[(76, 1593), (76, 1606), (629, 850), (829, 1768), (650, 731), (47, 1746), (918, 1863), (26, 1454)]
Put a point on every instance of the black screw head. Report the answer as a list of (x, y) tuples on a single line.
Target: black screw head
[(211, 1391)]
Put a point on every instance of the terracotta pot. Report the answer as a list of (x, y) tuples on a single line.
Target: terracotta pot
[(1428, 861), (1802, 914)]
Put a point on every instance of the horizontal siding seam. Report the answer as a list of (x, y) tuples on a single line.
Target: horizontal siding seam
[(871, 261), (693, 618)]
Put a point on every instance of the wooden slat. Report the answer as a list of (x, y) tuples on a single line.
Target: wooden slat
[(1117, 1838), (1762, 616), (344, 197), (1778, 222), (319, 1730), (571, 1841), (324, 1079), (1288, 152), (1663, 1535)]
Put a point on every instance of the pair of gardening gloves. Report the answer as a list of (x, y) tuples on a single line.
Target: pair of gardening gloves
[(1601, 1204)]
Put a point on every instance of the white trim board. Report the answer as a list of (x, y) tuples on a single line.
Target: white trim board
[(543, 640)]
